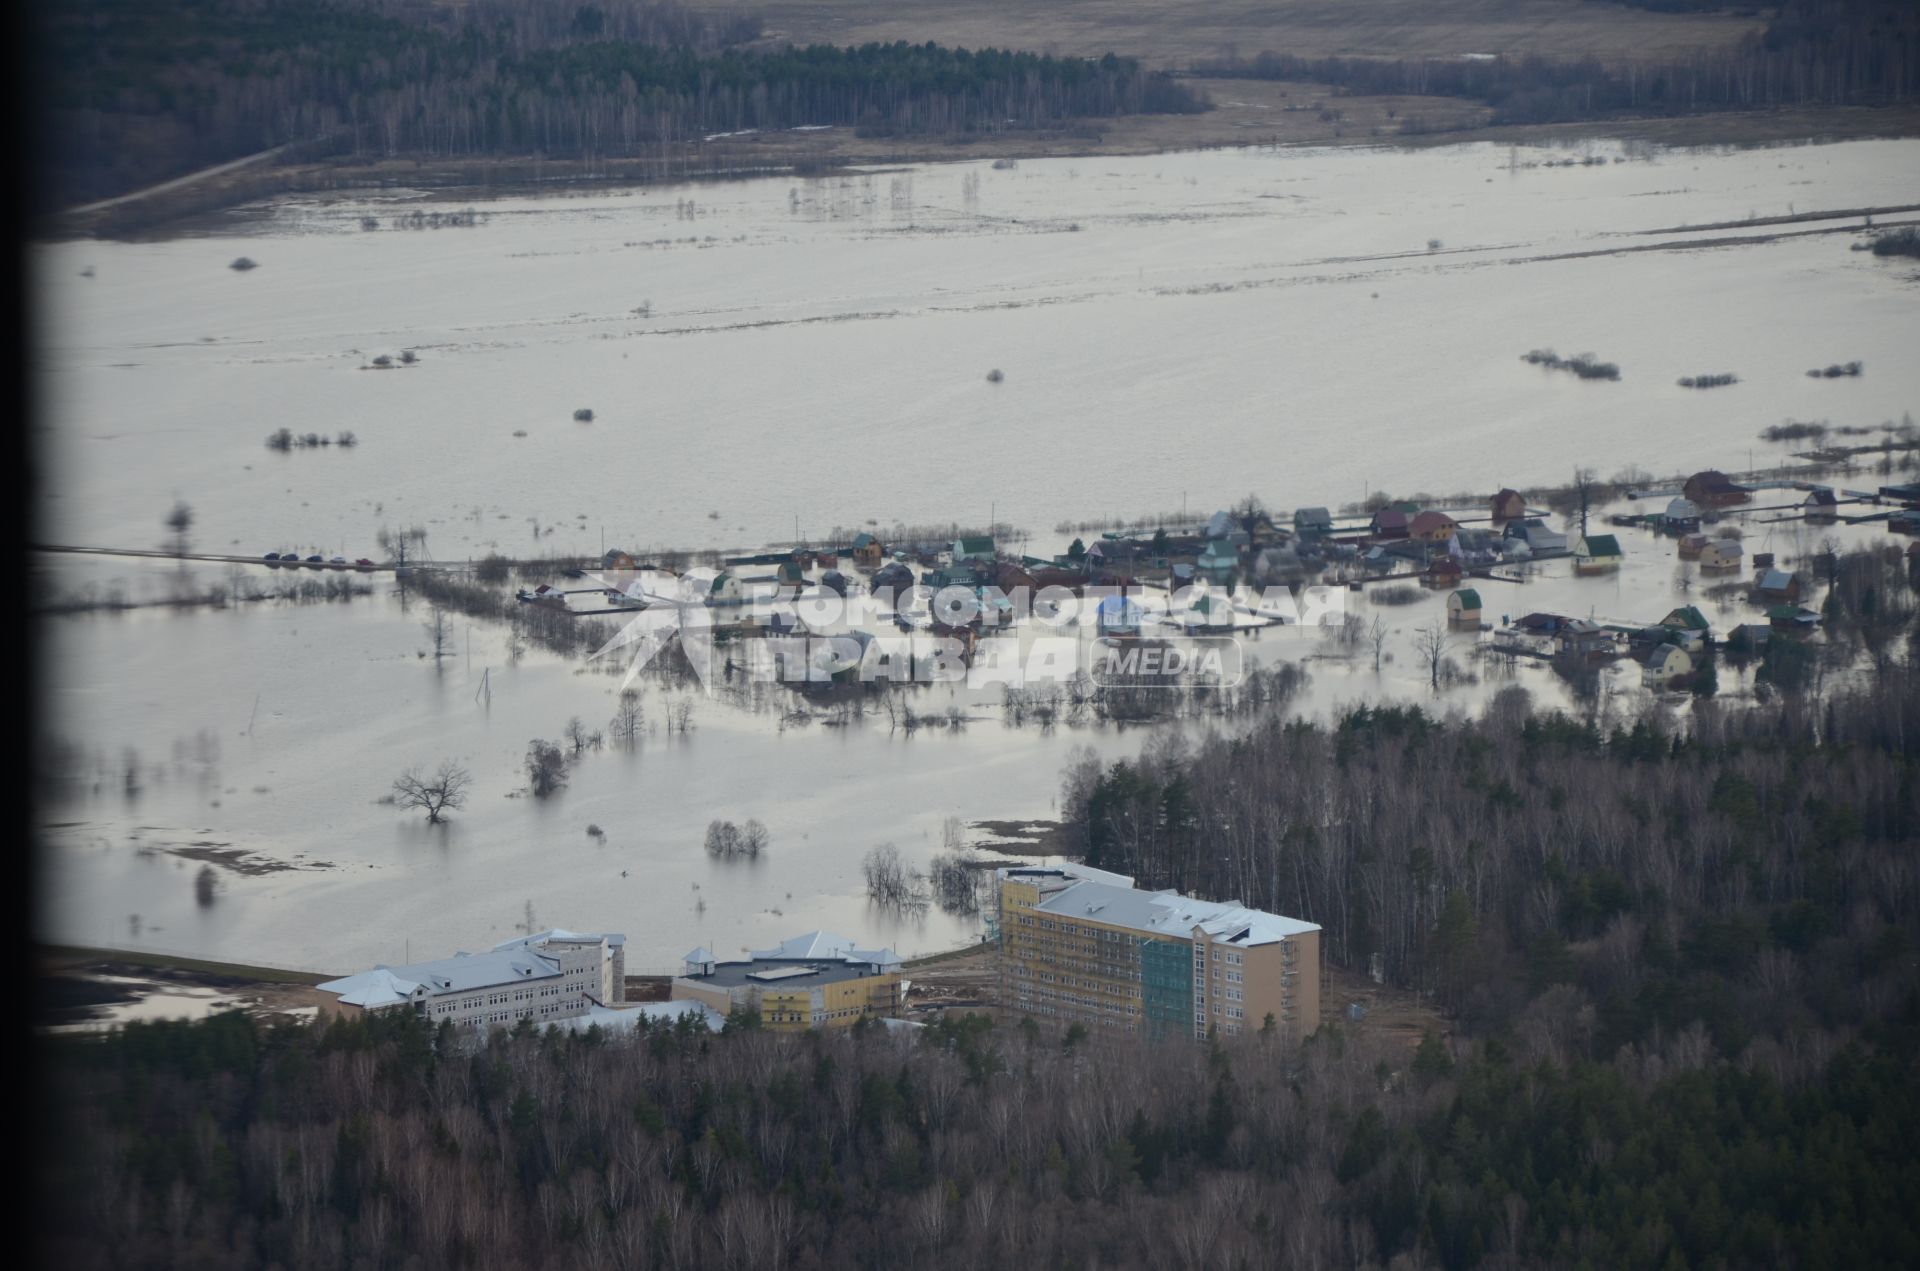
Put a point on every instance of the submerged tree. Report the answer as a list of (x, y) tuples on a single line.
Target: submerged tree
[(435, 793)]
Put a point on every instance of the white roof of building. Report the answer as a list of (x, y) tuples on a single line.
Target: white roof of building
[(1171, 914), (700, 954), (826, 946), (509, 962)]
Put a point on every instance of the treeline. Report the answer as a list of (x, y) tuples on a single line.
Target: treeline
[(382, 1143), (1815, 52), (1756, 872), (141, 90)]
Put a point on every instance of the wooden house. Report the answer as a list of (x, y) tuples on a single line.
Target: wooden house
[(1388, 523), (1508, 505), (1821, 506), (1712, 488), (1792, 619), (1118, 616), (1218, 560), (1463, 608), (1721, 556), (973, 548), (1682, 516), (1691, 545), (616, 559), (1313, 522), (1661, 664), (1442, 571), (1596, 554), (1540, 540), (868, 551), (1688, 626), (1430, 526), (1776, 587)]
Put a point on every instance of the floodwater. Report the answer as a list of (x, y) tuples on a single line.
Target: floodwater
[(1174, 330)]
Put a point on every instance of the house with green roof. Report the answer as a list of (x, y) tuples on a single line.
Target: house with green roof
[(980, 548), (1596, 554), (1463, 608)]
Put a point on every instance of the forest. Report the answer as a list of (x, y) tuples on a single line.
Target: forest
[(1680, 967), (1813, 53), (139, 90)]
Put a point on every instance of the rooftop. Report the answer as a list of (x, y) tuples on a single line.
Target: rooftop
[(1165, 913)]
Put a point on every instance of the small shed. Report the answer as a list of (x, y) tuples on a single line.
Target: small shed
[(1821, 505), (1463, 608)]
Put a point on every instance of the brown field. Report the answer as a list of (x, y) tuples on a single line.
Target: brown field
[(1172, 33)]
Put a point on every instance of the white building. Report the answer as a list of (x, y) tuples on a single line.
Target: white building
[(550, 976)]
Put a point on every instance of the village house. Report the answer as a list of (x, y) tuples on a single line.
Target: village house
[(550, 975), (1313, 522), (1596, 554), (1540, 540), (1688, 625), (1691, 545), (819, 980), (1581, 637), (1714, 489), (1118, 616), (1682, 516), (972, 548), (616, 559), (1508, 505), (1463, 608), (867, 551), (1430, 526), (1821, 506), (1442, 571), (1721, 556), (1661, 664), (1792, 619), (1389, 522), (1218, 560), (1776, 586)]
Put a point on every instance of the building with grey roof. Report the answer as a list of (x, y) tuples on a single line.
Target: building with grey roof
[(547, 977), (1087, 946)]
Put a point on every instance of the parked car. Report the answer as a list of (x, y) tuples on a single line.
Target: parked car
[(338, 560), (270, 557), (363, 563), (316, 560)]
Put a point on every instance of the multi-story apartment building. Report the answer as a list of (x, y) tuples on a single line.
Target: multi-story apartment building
[(819, 980), (1081, 944), (551, 976)]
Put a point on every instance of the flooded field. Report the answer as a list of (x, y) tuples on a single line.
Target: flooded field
[(766, 356), (771, 355)]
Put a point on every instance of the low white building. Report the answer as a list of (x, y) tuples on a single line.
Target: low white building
[(546, 977)]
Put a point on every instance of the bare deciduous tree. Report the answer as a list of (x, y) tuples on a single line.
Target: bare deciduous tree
[(439, 636), (436, 793), (1430, 645), (628, 719), (179, 522)]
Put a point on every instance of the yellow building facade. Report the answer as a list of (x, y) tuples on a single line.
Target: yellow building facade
[(819, 980), (1084, 945)]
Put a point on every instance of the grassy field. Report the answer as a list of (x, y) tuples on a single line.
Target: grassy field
[(1172, 33)]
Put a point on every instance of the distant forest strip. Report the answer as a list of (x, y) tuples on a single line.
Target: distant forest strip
[(1815, 52), (142, 90)]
